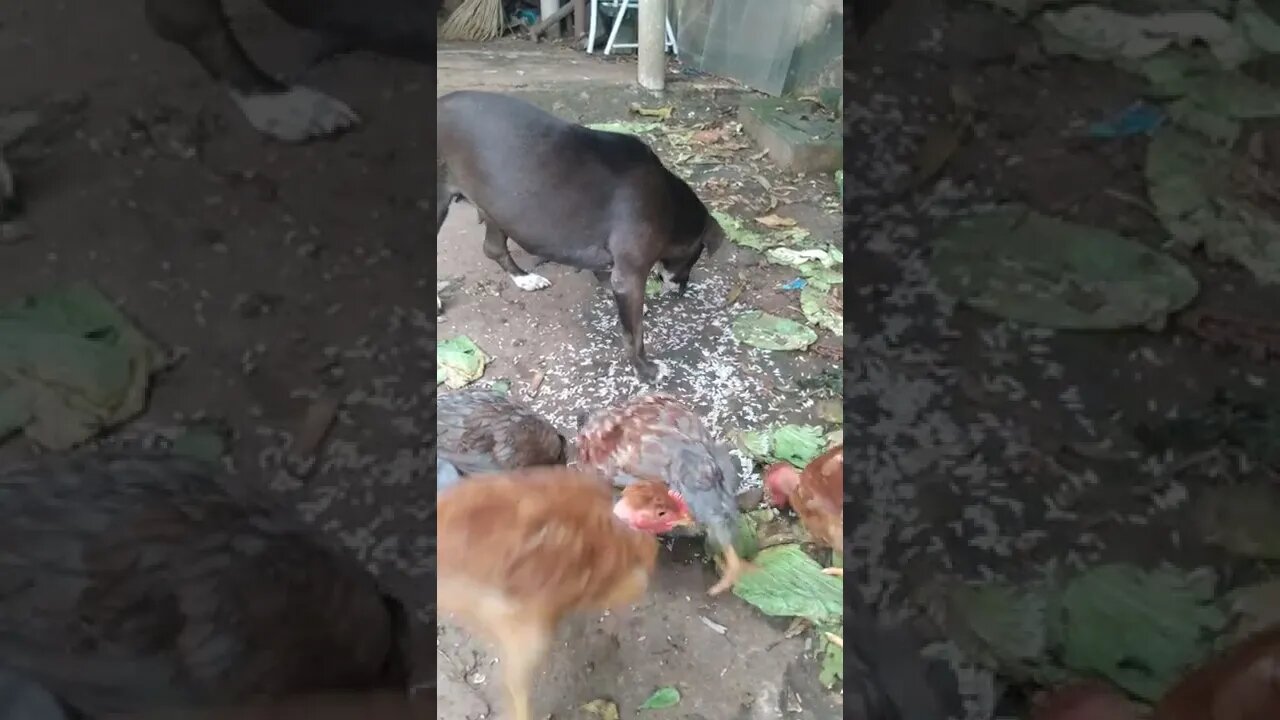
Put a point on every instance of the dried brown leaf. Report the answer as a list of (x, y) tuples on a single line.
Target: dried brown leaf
[(776, 221)]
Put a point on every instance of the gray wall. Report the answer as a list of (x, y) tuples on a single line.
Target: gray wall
[(774, 46)]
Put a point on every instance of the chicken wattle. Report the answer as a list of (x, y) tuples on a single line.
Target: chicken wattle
[(657, 436)]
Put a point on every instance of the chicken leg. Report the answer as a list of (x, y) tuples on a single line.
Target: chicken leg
[(734, 567), (837, 560), (522, 643)]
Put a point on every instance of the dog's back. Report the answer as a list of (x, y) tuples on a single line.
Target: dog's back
[(558, 189)]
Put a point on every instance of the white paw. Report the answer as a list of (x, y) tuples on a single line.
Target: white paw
[(531, 282), (296, 114)]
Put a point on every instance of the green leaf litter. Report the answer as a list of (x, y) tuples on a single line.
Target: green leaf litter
[(1140, 629), (1207, 98), (459, 362), (798, 444), (789, 583), (71, 366), (1002, 624), (770, 332), (817, 308), (795, 444), (661, 699), (741, 233), (1024, 266), (1189, 182), (820, 267)]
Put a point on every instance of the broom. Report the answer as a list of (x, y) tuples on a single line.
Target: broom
[(476, 20)]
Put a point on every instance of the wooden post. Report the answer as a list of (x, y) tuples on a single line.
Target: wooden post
[(553, 20), (548, 8), (651, 53), (580, 19)]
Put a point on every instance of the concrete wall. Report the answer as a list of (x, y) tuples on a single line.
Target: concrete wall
[(818, 62)]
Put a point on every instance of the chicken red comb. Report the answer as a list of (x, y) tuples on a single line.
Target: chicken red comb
[(779, 480)]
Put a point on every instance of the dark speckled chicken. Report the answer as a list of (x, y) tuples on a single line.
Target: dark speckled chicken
[(657, 436), (130, 583), (481, 431)]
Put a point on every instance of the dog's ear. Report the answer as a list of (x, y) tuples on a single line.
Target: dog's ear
[(712, 235)]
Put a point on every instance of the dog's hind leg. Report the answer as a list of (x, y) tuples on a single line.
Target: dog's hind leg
[(495, 248), (290, 113), (445, 195)]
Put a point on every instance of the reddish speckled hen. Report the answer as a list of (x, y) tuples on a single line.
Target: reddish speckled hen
[(657, 436), (518, 552), (481, 431), (816, 494)]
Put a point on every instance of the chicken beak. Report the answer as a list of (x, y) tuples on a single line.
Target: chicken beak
[(685, 522)]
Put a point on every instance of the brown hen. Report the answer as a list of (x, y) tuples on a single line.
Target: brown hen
[(657, 436), (816, 494), (520, 551)]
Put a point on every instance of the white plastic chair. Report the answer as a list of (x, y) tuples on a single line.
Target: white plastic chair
[(621, 7)]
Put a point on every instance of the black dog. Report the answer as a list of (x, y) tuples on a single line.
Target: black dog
[(398, 28), (592, 200)]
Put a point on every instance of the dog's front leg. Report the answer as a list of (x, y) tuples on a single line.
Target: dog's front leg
[(628, 293)]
